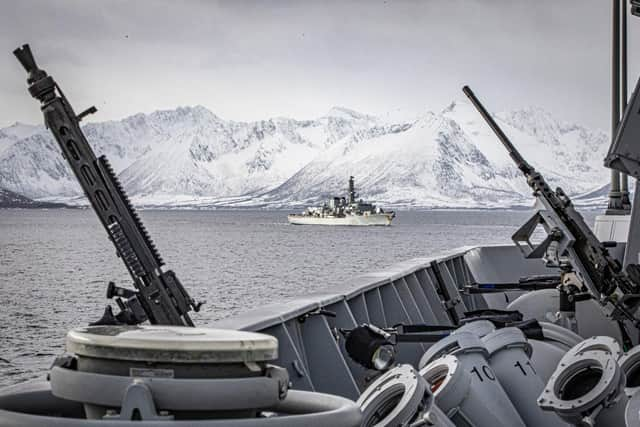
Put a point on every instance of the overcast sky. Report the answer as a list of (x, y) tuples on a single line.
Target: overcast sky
[(250, 60)]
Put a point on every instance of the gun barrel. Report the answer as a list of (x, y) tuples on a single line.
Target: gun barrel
[(513, 153), (25, 57)]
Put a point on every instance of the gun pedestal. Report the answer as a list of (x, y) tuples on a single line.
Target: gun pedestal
[(569, 296)]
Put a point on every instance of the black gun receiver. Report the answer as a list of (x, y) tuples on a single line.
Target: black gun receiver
[(570, 244), (159, 296)]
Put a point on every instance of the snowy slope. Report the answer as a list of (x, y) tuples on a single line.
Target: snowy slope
[(17, 131), (453, 159), (191, 157), (9, 199)]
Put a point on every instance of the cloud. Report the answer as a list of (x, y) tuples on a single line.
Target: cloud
[(251, 60)]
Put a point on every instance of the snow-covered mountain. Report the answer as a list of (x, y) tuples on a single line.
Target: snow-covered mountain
[(9, 199), (191, 157)]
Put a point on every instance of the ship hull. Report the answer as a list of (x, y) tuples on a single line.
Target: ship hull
[(354, 220)]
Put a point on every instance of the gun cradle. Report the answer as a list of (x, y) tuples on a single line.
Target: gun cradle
[(553, 248)]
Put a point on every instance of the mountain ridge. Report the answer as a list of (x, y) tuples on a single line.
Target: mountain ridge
[(191, 157), (9, 199)]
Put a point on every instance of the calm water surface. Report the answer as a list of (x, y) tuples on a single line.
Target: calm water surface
[(55, 264)]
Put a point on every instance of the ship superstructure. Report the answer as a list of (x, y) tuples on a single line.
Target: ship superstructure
[(344, 211)]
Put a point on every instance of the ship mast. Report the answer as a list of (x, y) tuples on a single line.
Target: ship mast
[(619, 195), (352, 191)]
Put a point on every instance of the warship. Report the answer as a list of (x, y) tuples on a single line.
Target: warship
[(343, 211), (526, 334)]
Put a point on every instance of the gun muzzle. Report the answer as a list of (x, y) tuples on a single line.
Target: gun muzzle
[(25, 57), (41, 86)]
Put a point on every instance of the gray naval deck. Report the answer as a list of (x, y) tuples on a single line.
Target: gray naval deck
[(409, 292)]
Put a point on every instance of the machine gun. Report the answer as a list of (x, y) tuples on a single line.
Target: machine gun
[(159, 296), (588, 270)]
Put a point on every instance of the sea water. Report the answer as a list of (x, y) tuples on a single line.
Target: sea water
[(55, 264)]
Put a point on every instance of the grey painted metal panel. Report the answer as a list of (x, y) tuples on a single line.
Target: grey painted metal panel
[(408, 301), (435, 300), (474, 302), (421, 299), (290, 358), (460, 274), (327, 367), (501, 300), (452, 289), (451, 267), (395, 313), (358, 306), (345, 319), (375, 308), (463, 271), (295, 334), (502, 264)]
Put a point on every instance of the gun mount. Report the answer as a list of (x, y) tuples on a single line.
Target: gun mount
[(587, 268), (159, 296)]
